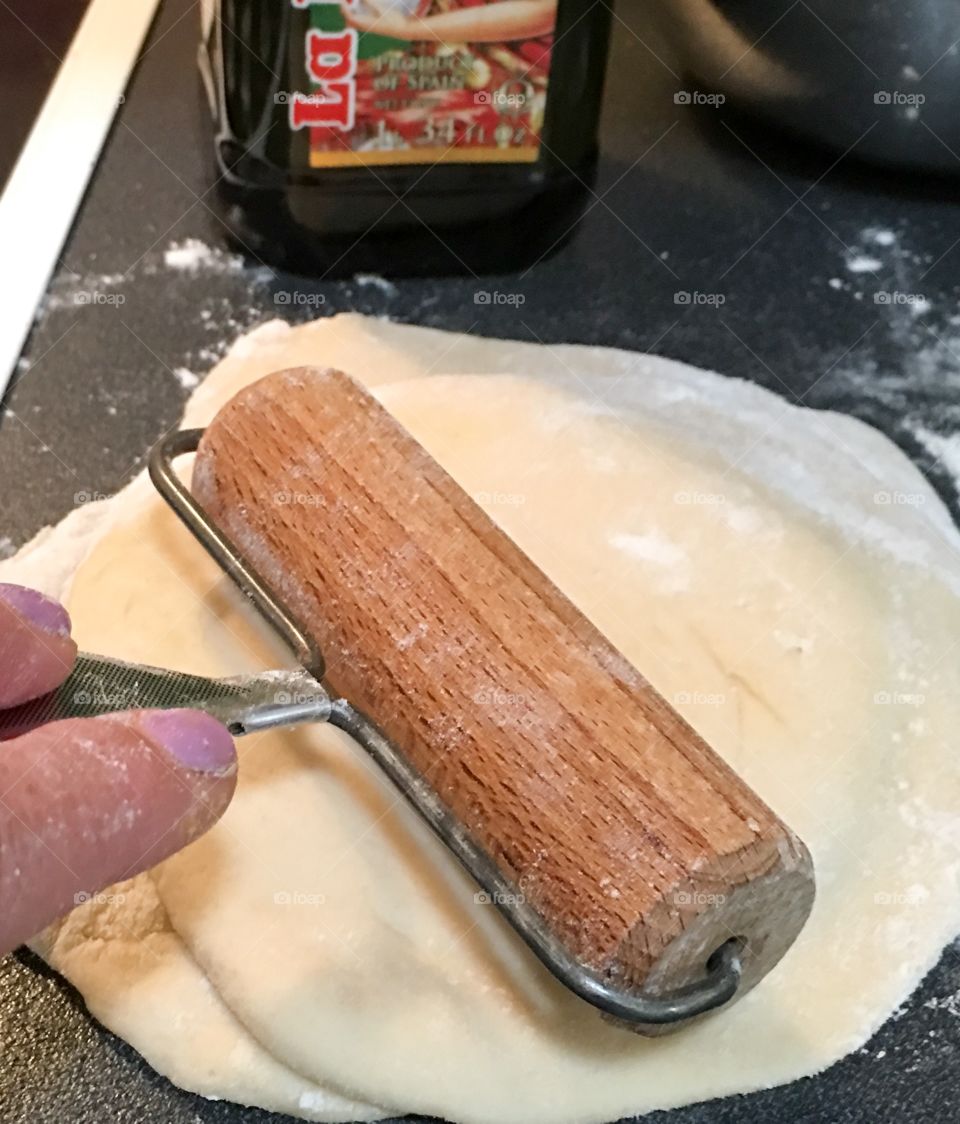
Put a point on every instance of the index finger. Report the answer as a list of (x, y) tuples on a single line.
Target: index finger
[(36, 650)]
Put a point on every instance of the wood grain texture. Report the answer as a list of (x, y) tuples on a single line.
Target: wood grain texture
[(638, 846)]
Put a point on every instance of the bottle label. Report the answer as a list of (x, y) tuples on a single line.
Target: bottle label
[(423, 81)]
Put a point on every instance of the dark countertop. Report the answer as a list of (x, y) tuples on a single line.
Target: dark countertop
[(688, 201)]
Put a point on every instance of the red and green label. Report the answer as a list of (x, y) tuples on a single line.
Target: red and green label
[(424, 81)]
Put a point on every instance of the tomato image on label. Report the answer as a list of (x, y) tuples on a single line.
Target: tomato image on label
[(424, 81)]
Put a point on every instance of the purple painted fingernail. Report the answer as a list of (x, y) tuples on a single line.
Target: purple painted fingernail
[(195, 739), (37, 608)]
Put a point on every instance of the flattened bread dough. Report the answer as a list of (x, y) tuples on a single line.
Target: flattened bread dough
[(120, 951), (740, 552)]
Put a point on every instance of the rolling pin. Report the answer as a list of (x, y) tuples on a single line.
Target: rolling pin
[(638, 852)]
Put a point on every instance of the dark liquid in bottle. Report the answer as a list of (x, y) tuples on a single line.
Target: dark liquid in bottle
[(340, 148)]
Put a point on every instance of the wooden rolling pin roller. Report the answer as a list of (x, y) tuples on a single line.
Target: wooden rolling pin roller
[(635, 850)]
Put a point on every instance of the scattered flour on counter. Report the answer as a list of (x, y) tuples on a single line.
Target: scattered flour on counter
[(219, 292), (192, 256), (225, 316), (74, 290), (945, 449), (375, 281), (862, 263), (948, 1003), (905, 378), (186, 378)]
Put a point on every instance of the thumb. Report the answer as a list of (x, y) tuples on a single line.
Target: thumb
[(87, 802)]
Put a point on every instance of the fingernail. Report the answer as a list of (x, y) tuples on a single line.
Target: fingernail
[(195, 739), (40, 610)]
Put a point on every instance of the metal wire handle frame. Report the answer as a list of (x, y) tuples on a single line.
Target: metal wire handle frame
[(723, 969)]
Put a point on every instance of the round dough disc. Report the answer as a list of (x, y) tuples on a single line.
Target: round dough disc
[(739, 557)]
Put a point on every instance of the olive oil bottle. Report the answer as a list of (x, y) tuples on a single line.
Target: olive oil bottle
[(404, 137)]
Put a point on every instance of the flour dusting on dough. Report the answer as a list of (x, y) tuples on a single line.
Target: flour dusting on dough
[(656, 549)]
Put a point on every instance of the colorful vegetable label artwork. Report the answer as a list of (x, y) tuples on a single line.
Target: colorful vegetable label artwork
[(423, 81)]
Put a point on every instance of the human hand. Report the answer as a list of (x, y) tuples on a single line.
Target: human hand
[(390, 22), (500, 22), (89, 801)]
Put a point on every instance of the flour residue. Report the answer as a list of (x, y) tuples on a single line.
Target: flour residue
[(948, 1003), (655, 549), (186, 378), (945, 449), (223, 312), (742, 520), (192, 255), (909, 383), (863, 263), (375, 281), (70, 290)]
